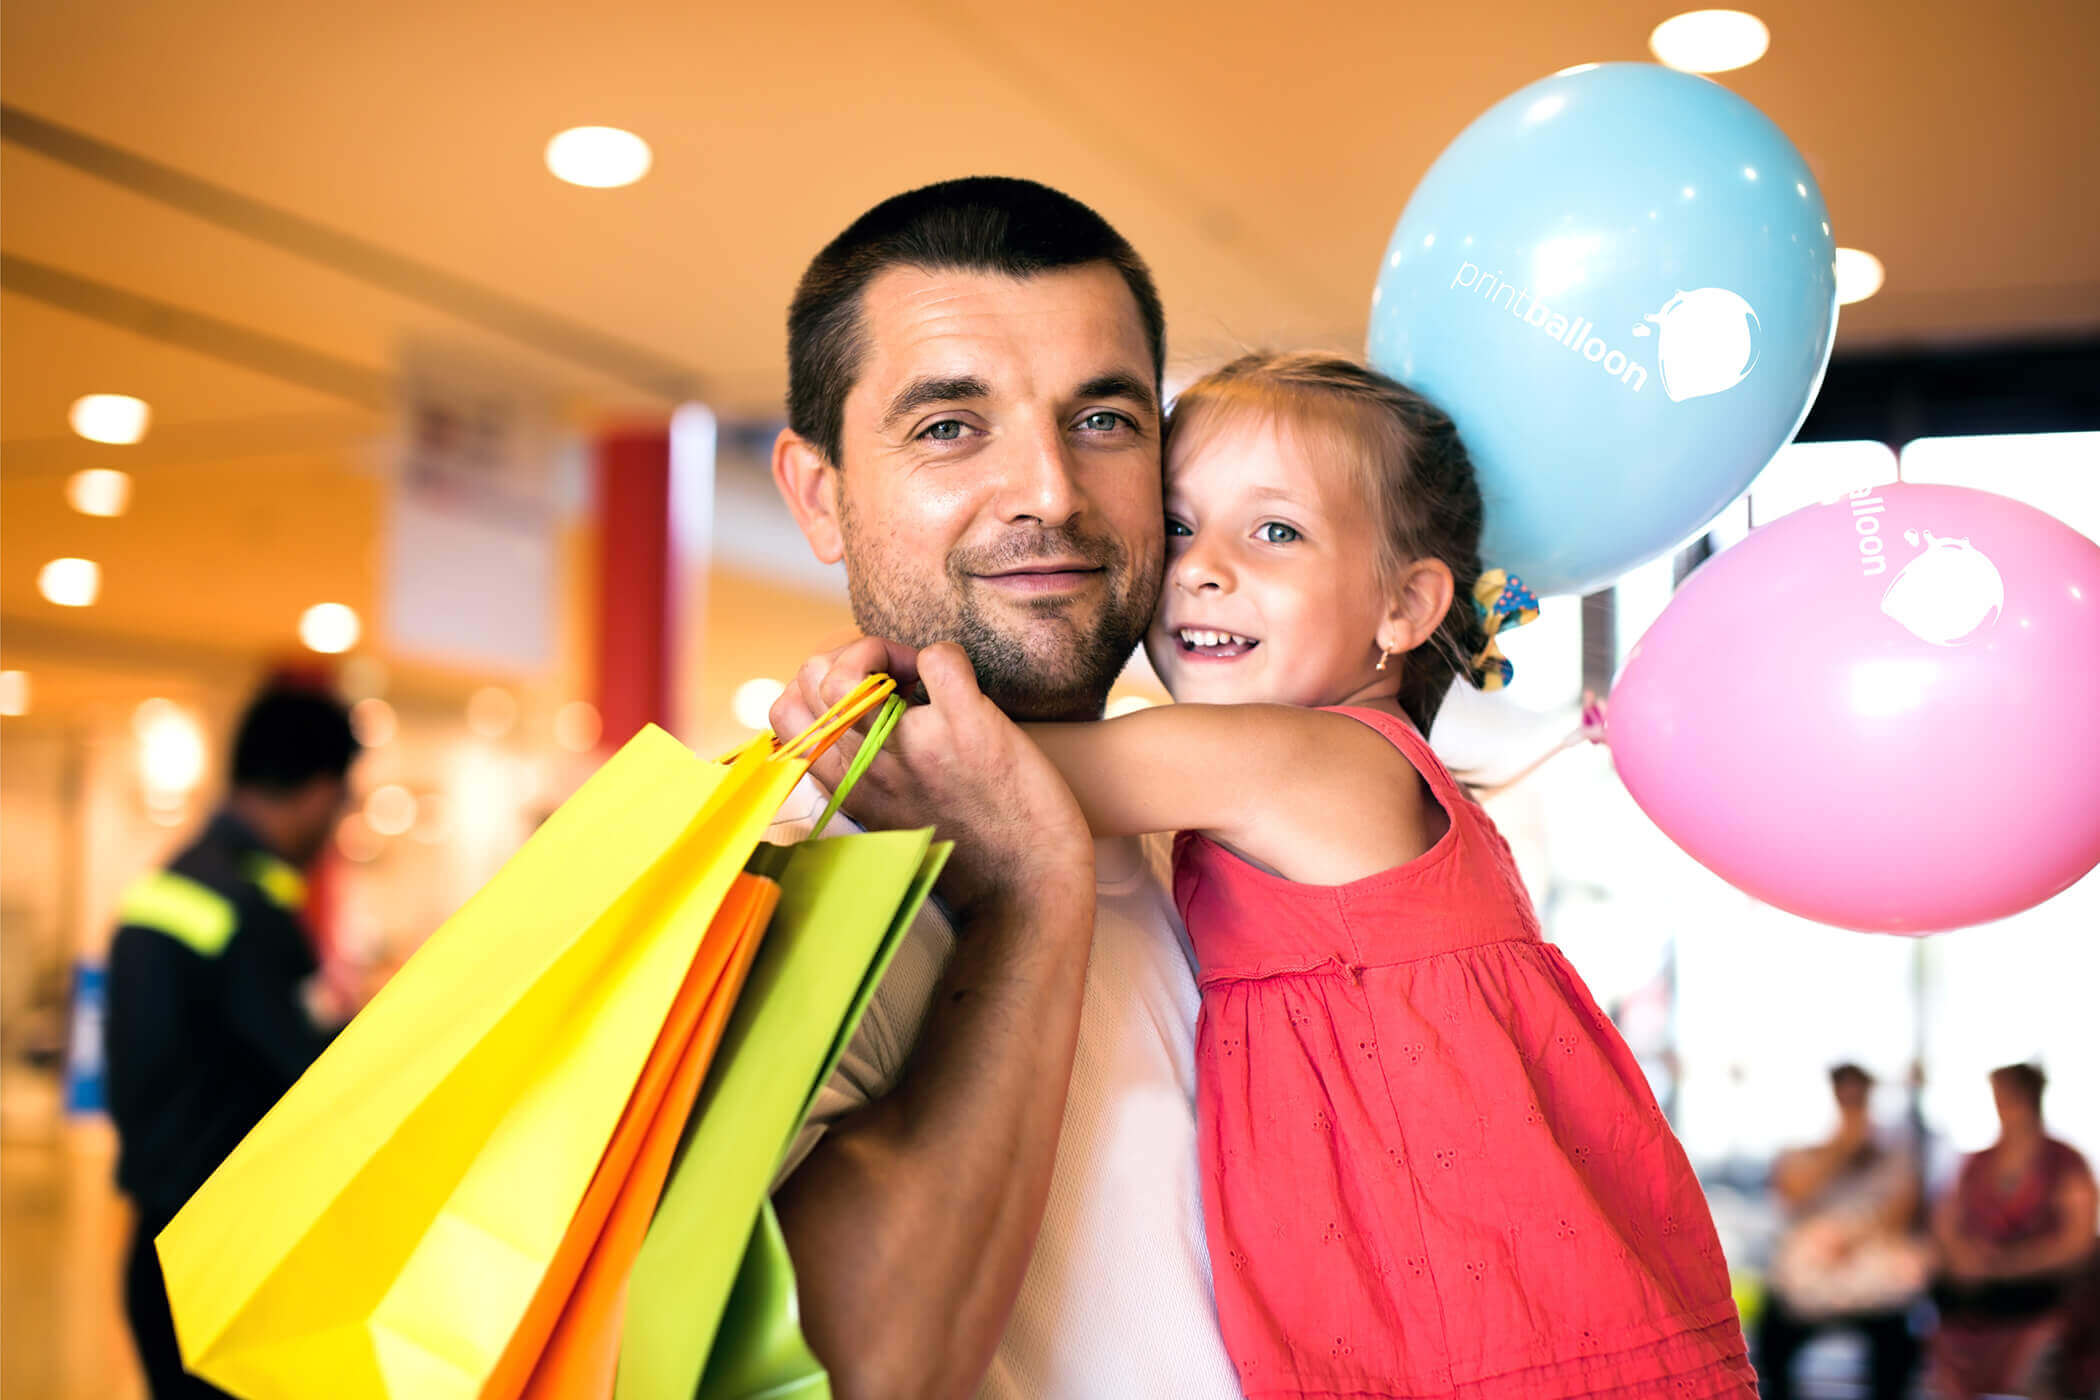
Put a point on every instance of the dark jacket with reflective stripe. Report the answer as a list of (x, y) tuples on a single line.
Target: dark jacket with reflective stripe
[(207, 1025)]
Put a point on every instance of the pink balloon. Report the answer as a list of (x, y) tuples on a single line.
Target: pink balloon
[(1879, 713)]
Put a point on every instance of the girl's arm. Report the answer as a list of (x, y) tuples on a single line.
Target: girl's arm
[(1317, 797)]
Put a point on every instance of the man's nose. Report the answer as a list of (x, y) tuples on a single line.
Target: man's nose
[(1040, 483)]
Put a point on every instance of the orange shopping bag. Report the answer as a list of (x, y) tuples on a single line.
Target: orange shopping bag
[(569, 1341)]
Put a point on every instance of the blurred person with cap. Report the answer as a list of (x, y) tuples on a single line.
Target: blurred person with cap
[(2016, 1234), (1850, 1257), (216, 1000)]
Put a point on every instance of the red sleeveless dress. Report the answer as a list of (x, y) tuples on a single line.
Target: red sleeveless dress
[(1431, 1167)]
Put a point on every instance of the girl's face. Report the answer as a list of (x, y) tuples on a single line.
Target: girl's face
[(1272, 592)]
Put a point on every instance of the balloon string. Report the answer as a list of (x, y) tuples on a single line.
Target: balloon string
[(1589, 731)]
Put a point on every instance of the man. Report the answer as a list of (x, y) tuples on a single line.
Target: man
[(211, 979), (1850, 1258), (1005, 1192)]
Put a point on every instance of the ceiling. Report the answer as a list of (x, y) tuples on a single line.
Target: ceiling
[(1258, 156)]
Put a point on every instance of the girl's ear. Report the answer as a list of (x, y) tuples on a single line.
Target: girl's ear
[(1417, 606)]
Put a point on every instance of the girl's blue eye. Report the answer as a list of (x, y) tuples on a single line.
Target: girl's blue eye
[(947, 430), (1176, 528), (1276, 532)]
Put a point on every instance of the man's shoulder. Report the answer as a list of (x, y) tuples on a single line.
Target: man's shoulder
[(185, 906)]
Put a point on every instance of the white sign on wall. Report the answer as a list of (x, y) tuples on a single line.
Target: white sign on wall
[(471, 558)]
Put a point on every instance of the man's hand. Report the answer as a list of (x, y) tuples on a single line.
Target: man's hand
[(932, 1194), (956, 763)]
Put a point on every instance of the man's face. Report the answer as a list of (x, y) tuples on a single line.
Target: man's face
[(316, 807), (999, 478), (2014, 1109)]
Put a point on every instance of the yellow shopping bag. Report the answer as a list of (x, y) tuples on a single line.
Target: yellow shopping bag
[(384, 1229)]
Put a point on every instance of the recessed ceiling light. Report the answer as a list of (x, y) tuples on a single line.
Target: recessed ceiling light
[(1710, 41), (113, 418), (329, 628), (1859, 275), (70, 583), (99, 491), (599, 157)]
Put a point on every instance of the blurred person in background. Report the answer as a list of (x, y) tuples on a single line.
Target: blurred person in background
[(216, 1003), (2015, 1235), (1850, 1256)]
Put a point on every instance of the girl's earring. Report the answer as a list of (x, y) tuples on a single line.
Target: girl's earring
[(1385, 654)]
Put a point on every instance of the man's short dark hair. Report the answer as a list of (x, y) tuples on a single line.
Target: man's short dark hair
[(1841, 1075), (1015, 228), (289, 737), (2025, 1081)]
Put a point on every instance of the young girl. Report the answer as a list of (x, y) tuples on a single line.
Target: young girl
[(1430, 1165)]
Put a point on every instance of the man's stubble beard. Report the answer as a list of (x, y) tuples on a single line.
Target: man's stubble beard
[(1067, 677)]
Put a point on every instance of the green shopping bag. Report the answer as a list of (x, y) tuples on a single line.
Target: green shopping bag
[(846, 903)]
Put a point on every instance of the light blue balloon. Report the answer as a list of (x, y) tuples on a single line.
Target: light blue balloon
[(1620, 284)]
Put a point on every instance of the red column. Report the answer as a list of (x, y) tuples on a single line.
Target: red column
[(634, 582)]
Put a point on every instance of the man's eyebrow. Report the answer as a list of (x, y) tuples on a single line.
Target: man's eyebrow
[(1118, 385), (932, 390)]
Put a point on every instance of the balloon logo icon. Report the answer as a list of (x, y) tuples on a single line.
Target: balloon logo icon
[(1706, 342), (1948, 594)]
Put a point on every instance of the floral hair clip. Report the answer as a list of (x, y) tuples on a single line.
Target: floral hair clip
[(1501, 600)]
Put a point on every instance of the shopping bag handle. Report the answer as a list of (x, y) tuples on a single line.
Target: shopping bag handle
[(825, 732), (892, 711)]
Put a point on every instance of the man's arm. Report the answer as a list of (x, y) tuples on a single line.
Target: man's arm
[(912, 1220), (1803, 1174), (267, 973), (2072, 1240)]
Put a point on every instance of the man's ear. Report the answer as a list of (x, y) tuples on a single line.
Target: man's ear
[(1417, 606), (809, 485)]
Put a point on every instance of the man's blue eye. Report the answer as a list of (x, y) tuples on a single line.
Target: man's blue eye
[(947, 430), (1102, 421), (1175, 527), (1276, 532)]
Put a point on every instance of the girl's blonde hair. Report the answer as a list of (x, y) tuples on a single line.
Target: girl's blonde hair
[(1408, 464)]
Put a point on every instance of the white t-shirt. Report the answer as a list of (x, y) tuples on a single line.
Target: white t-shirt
[(1117, 1297)]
